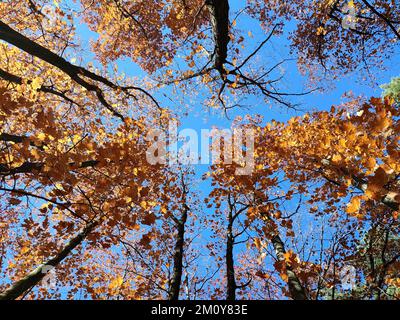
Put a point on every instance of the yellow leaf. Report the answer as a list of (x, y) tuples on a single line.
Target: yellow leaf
[(179, 16), (24, 250), (284, 277), (259, 167), (143, 204), (41, 136), (117, 282), (354, 205), (371, 163), (336, 158), (128, 200), (164, 210), (36, 83)]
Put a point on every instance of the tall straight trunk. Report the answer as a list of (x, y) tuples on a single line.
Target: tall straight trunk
[(219, 12), (297, 291), (178, 258), (34, 277), (230, 265)]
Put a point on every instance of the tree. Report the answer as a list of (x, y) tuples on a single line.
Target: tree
[(336, 36), (80, 196), (392, 89)]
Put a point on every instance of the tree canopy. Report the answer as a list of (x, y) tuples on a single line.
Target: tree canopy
[(84, 214)]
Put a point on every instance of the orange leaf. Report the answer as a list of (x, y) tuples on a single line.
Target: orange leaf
[(262, 275), (354, 205)]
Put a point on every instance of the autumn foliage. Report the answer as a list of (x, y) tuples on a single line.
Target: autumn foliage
[(84, 215)]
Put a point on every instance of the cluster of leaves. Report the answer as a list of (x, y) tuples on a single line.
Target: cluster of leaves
[(79, 192)]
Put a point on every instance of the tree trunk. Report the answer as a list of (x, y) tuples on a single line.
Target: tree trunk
[(178, 258), (219, 11), (230, 266), (297, 291), (33, 278)]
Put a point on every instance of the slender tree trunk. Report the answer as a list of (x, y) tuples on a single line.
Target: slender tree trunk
[(230, 265), (297, 291), (178, 257), (34, 277)]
